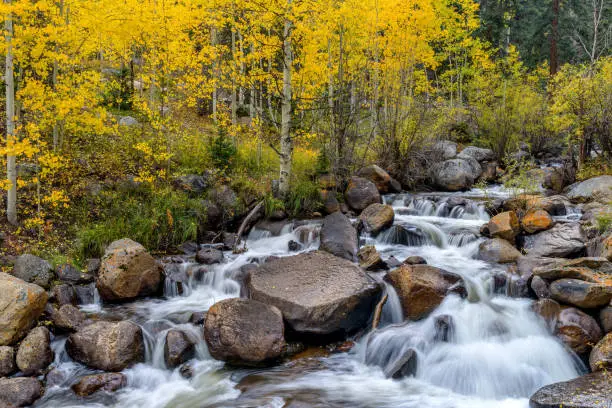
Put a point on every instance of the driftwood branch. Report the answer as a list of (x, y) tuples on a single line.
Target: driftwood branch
[(378, 311), (245, 222)]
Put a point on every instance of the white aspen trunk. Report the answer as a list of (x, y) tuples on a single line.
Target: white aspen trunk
[(242, 70), (11, 160), (286, 143), (213, 40), (234, 103)]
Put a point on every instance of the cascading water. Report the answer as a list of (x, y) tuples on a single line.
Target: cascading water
[(497, 353)]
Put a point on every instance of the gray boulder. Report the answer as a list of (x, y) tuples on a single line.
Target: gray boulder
[(476, 153), (317, 293), (34, 354), (90, 384), (178, 348), (594, 189), (33, 269), (445, 149), (577, 330), (19, 392), (498, 250), (455, 174), (588, 391), (360, 193), (339, 237), (561, 241)]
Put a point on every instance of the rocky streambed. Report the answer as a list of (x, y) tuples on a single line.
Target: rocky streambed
[(469, 299)]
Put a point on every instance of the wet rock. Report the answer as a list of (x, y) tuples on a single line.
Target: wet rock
[(445, 328), (505, 226), (330, 202), (55, 377), (19, 392), (526, 265), (186, 371), (549, 310), (445, 149), (392, 262), (108, 346), (405, 366), (21, 304), (7, 361), (369, 258), (540, 288), (415, 260), (360, 193), (317, 293), (379, 177), (339, 237), (605, 318), (128, 271), (85, 294), (90, 384), (244, 331), (601, 355), (69, 273), (33, 269), (476, 153), (582, 294), (455, 174), (561, 241), (178, 348), (294, 246), (594, 189), (64, 294), (34, 354), (489, 172), (377, 217), (209, 256), (535, 221), (498, 250), (421, 288), (577, 330), (588, 391), (587, 269), (68, 318)]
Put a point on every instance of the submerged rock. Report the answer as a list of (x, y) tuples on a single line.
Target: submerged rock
[(19, 392), (90, 384), (128, 271), (317, 293), (108, 346), (21, 304), (339, 237), (588, 391), (178, 348), (422, 288), (244, 331), (404, 366), (498, 250)]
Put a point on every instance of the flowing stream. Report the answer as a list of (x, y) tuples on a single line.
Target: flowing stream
[(498, 353)]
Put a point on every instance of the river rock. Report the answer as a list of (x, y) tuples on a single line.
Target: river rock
[(69, 273), (318, 293), (577, 330), (21, 304), (19, 392), (193, 184), (445, 328), (421, 288), (498, 250), (540, 288), (90, 384), (127, 272), (561, 241), (377, 217), (594, 270), (404, 366), (549, 310), (526, 265), (505, 226), (330, 201), (455, 174), (108, 346), (209, 256), (415, 260), (601, 355), (445, 149), (68, 318), (360, 193), (34, 354), (7, 361), (605, 318), (589, 391), (596, 189), (582, 294), (369, 258), (476, 153), (64, 294), (178, 348), (535, 221), (33, 269), (244, 331), (339, 237)]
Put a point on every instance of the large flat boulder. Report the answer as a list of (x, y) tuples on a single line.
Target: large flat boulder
[(594, 189), (244, 331), (317, 293), (585, 295), (421, 288), (561, 241), (588, 391), (128, 271), (360, 193), (21, 304), (595, 270), (108, 346), (339, 237)]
